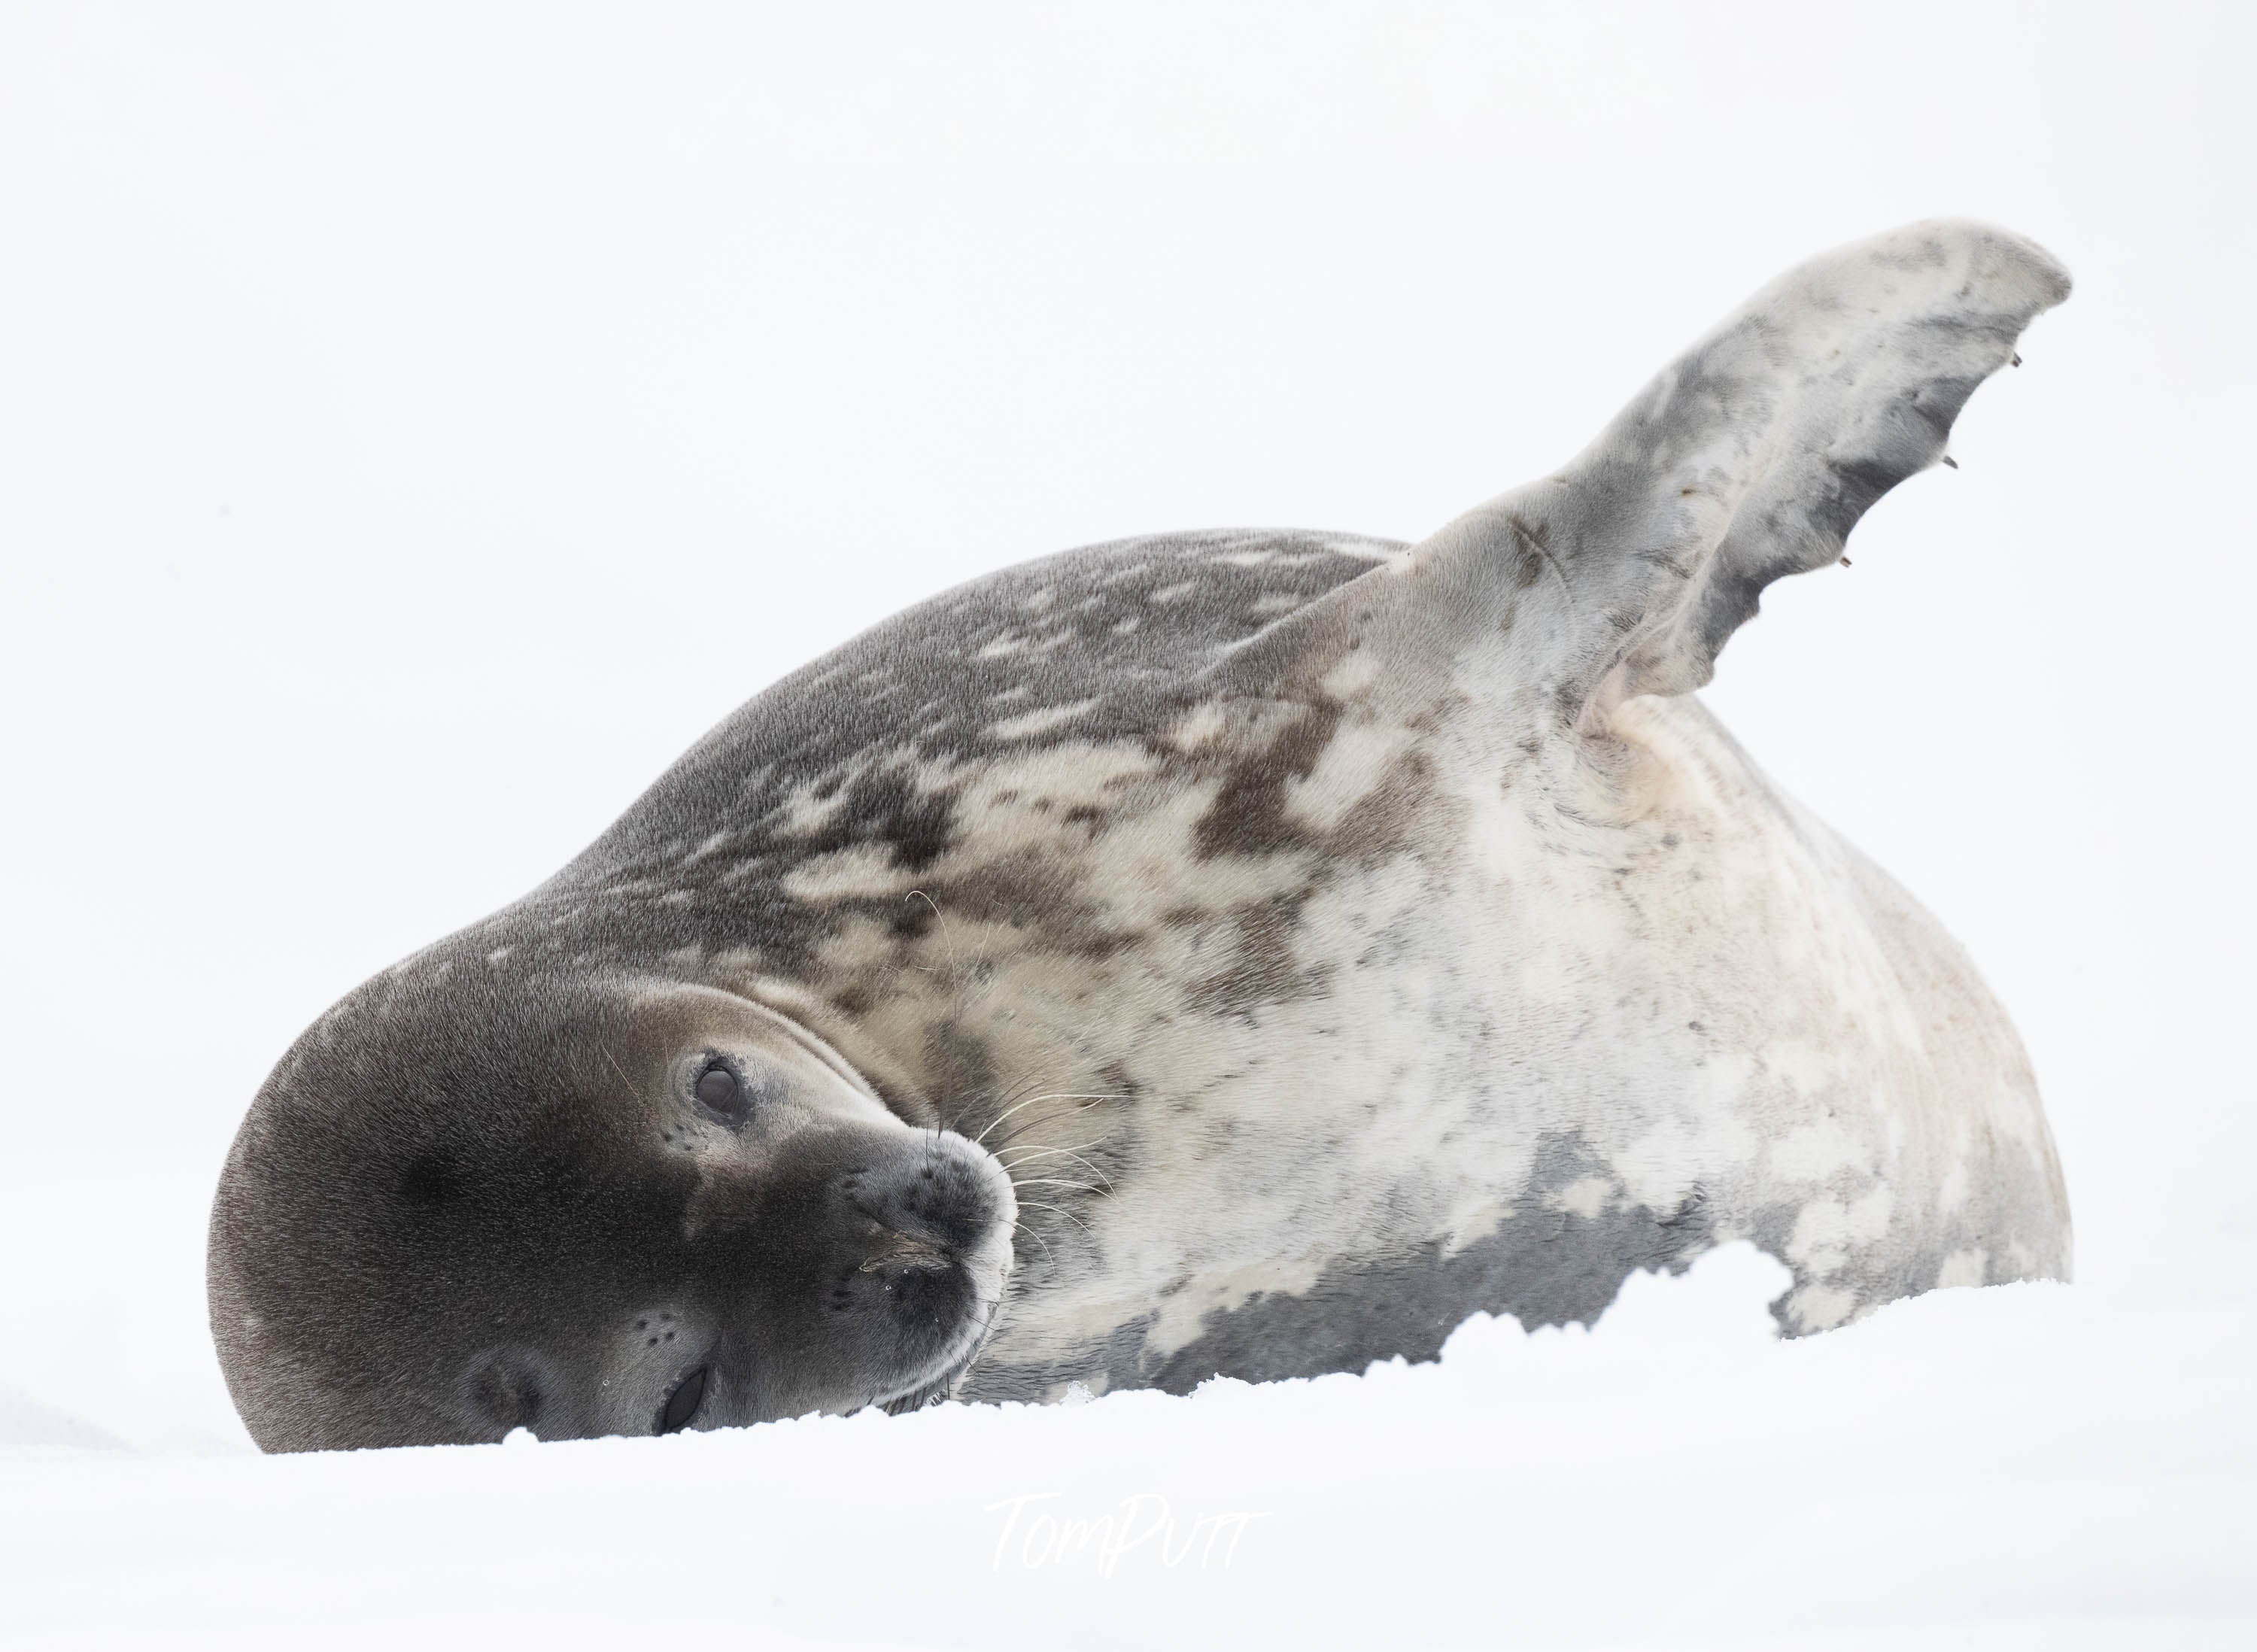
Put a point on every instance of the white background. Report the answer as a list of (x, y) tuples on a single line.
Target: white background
[(417, 424)]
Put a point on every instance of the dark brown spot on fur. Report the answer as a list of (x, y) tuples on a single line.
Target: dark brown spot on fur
[(1247, 816), (1262, 969), (961, 1065), (1378, 825), (886, 807)]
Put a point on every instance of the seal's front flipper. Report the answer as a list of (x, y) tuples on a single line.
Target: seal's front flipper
[(1751, 456)]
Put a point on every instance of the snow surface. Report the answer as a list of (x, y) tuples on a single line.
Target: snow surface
[(417, 424), (2006, 1467)]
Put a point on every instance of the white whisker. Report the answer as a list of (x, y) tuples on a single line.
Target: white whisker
[(1011, 1093), (1055, 1095), (1029, 1155), (1021, 1227), (1029, 1204)]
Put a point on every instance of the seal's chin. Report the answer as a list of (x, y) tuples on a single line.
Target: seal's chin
[(935, 1391)]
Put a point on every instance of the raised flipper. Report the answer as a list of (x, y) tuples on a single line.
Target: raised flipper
[(1751, 456)]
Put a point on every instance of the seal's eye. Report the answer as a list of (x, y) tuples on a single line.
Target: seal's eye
[(682, 1405), (719, 1088)]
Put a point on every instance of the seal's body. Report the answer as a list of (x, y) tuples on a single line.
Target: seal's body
[(1245, 953)]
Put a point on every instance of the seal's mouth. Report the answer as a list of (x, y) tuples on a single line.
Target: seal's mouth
[(935, 1391), (939, 1381)]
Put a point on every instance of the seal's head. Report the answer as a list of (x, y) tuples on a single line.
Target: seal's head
[(470, 1200)]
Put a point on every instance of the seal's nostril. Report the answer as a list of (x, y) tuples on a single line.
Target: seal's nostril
[(904, 1253)]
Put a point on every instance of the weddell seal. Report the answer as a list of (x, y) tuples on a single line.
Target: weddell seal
[(1244, 952)]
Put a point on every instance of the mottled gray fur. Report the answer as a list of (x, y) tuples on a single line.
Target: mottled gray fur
[(1330, 938)]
